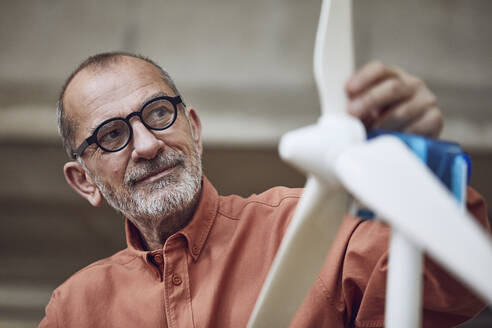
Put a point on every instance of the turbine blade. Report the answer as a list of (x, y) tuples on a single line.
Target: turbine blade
[(333, 54), (387, 177), (301, 255)]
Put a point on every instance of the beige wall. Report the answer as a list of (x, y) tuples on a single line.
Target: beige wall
[(246, 67)]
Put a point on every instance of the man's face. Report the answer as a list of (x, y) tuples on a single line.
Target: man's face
[(158, 174)]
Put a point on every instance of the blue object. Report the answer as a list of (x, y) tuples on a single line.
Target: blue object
[(445, 159)]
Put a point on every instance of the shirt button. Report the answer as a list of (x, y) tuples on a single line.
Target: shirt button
[(158, 259), (177, 279), (195, 250)]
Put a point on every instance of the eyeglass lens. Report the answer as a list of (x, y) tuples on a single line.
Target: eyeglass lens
[(158, 114), (115, 134)]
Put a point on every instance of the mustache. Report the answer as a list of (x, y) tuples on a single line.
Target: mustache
[(159, 163)]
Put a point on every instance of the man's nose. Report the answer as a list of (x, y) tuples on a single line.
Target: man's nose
[(145, 143)]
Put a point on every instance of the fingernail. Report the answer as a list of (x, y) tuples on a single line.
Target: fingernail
[(356, 107)]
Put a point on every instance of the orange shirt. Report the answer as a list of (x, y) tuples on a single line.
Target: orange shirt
[(210, 273)]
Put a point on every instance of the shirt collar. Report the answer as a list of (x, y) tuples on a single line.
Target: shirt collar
[(196, 232), (133, 238)]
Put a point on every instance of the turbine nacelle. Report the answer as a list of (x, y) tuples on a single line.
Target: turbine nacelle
[(327, 139)]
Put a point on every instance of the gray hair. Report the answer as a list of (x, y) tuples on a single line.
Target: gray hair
[(67, 125)]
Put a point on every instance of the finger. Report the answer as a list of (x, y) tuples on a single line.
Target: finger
[(369, 120), (368, 75), (429, 124), (400, 115), (380, 96)]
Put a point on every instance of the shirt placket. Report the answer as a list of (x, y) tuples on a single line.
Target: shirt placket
[(177, 284)]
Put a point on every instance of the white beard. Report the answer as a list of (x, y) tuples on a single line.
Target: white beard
[(172, 195)]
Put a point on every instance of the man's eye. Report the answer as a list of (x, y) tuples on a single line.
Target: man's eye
[(159, 112), (159, 116), (112, 134)]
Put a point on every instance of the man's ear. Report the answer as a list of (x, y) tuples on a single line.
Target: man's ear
[(82, 183), (196, 128)]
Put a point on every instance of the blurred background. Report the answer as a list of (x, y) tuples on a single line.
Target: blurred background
[(245, 65)]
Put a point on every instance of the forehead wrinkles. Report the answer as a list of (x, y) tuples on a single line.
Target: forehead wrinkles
[(99, 89), (96, 94)]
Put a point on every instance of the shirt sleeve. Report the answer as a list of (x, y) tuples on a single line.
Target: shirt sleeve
[(50, 318), (363, 278)]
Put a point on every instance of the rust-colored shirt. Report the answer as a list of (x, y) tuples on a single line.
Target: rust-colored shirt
[(210, 273)]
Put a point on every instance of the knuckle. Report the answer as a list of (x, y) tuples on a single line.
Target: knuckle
[(427, 98), (396, 86), (432, 99), (440, 124), (436, 115), (435, 121), (377, 65), (418, 83), (396, 72)]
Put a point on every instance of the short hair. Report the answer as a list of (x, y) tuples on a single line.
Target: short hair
[(67, 125)]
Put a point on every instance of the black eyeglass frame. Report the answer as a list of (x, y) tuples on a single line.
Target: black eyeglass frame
[(175, 101)]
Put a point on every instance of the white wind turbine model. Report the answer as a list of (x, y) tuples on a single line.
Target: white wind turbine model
[(381, 173)]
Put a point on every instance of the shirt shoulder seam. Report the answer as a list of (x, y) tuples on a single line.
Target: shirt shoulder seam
[(55, 309), (105, 261), (277, 204)]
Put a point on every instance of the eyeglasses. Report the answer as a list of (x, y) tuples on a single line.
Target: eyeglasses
[(115, 133)]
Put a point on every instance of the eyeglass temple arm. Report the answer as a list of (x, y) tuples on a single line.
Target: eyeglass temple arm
[(87, 142)]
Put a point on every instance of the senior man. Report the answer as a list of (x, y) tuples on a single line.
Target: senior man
[(197, 259)]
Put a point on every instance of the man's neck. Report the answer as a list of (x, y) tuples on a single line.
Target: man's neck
[(156, 231)]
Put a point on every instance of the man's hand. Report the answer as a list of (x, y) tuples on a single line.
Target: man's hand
[(389, 98)]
